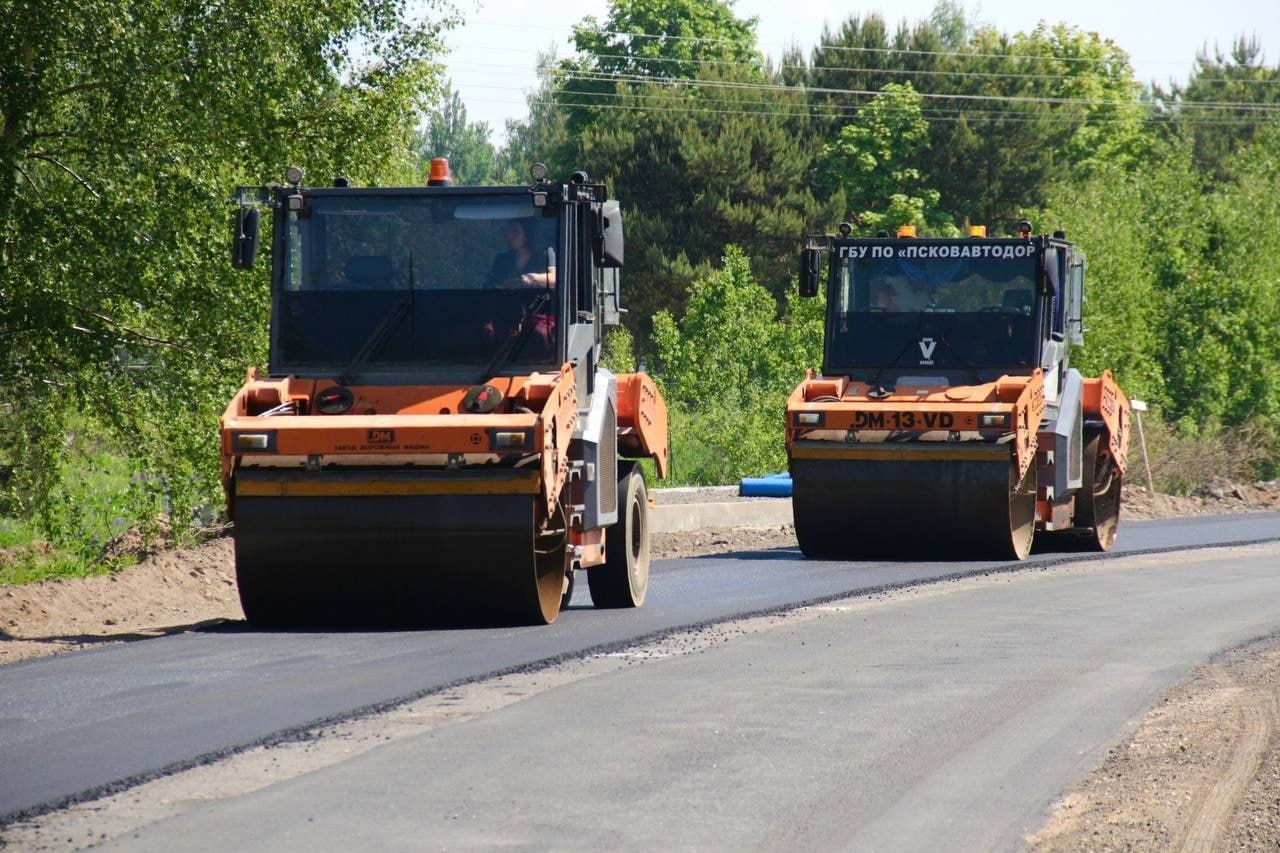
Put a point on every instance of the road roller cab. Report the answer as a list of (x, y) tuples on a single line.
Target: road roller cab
[(433, 438), (947, 419)]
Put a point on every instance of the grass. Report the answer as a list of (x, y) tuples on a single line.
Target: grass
[(102, 499), (1182, 462), (26, 558)]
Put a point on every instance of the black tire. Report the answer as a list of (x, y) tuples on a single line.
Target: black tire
[(623, 580), (1098, 503), (568, 590)]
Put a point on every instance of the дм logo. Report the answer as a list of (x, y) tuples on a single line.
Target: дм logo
[(382, 436)]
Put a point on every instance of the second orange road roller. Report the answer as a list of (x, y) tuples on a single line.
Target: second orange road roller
[(434, 437), (946, 419)]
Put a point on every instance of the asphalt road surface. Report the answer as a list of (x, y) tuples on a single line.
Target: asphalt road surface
[(991, 698)]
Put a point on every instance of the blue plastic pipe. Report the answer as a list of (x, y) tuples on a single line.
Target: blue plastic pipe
[(768, 486)]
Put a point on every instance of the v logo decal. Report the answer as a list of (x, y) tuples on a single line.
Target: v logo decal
[(927, 346)]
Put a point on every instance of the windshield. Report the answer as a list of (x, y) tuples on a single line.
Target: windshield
[(932, 311), (407, 283)]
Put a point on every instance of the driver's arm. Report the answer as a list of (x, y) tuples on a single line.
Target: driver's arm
[(545, 278), (539, 279)]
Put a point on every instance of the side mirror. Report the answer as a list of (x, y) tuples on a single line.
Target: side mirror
[(609, 247), (244, 242), (810, 272)]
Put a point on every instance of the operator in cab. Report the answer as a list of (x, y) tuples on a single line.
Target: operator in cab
[(521, 263)]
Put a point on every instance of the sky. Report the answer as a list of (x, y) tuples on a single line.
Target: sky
[(494, 52)]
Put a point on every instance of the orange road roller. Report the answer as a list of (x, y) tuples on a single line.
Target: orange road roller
[(947, 420), (434, 439)]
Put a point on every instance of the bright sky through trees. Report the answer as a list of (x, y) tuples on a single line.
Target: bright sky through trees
[(495, 50)]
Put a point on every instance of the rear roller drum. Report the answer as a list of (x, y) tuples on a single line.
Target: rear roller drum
[(623, 580)]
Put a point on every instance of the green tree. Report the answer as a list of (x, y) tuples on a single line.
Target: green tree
[(1008, 114), (124, 130), (651, 39), (1228, 100), (1182, 290), (871, 162), (447, 133), (700, 155), (693, 180), (726, 368)]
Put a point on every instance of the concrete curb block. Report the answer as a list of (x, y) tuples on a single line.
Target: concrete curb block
[(765, 512)]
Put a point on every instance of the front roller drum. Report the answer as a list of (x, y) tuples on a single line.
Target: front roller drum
[(903, 508), (385, 560)]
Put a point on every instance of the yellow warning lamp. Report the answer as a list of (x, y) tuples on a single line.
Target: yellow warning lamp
[(906, 231), (439, 175), (977, 231)]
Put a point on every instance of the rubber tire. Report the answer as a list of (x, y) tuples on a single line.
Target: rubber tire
[(568, 590), (623, 579), (1098, 511)]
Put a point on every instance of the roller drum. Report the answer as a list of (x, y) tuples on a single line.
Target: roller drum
[(439, 559), (965, 505)]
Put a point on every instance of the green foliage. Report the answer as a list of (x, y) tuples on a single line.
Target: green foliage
[(726, 367), (124, 129), (642, 39), (685, 34), (1183, 283), (1006, 113), (1240, 78), (618, 353), (870, 162), (1224, 356), (92, 496), (447, 133), (697, 155)]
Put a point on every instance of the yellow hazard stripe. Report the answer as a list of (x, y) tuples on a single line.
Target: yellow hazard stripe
[(365, 488), (908, 453)]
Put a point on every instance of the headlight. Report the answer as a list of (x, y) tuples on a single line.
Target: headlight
[(254, 442), (1000, 421), (809, 419), (510, 439)]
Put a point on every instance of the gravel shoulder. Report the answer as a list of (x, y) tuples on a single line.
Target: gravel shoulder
[(1200, 772)]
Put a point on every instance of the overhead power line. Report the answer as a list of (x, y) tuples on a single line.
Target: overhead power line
[(596, 76), (828, 69), (711, 106), (586, 74)]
